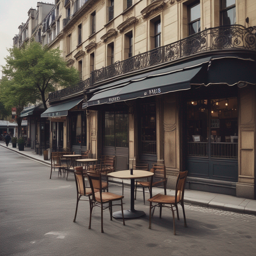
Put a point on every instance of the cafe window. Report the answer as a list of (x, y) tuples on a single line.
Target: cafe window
[(213, 128), (148, 127), (227, 12), (116, 129), (194, 18), (78, 129)]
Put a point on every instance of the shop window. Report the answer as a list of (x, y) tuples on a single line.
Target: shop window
[(194, 18), (148, 127), (213, 128), (79, 34), (116, 129), (110, 54), (227, 12)]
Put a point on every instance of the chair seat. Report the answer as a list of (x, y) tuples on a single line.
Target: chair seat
[(144, 183), (59, 166), (163, 199), (107, 196)]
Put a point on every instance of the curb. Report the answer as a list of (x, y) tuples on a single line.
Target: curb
[(30, 157)]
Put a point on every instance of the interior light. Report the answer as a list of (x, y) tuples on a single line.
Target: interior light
[(212, 111), (192, 102), (217, 103)]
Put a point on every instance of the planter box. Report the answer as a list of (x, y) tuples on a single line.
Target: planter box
[(21, 147), (14, 145)]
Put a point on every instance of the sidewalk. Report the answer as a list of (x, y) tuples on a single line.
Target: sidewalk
[(206, 199)]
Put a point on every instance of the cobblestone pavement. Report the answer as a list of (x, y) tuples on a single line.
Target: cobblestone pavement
[(36, 216)]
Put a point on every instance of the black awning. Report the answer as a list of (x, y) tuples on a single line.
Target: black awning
[(34, 110), (61, 109), (151, 86)]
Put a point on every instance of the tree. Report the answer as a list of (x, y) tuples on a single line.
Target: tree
[(30, 74), (37, 70)]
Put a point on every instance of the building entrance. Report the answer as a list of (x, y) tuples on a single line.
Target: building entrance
[(212, 138)]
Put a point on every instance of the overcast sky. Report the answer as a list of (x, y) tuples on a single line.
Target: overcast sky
[(12, 14)]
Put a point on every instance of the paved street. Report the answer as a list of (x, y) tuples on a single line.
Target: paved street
[(37, 213)]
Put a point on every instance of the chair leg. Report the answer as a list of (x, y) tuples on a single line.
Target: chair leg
[(51, 173), (110, 209), (177, 210), (150, 206), (135, 190), (122, 209), (101, 209), (91, 206), (160, 213), (77, 201), (143, 190), (122, 187), (173, 218), (185, 222)]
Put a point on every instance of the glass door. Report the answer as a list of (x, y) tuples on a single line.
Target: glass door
[(212, 138)]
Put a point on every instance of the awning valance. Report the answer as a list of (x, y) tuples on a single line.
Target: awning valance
[(60, 109), (32, 111), (145, 87)]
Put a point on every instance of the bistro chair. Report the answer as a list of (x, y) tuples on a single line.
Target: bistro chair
[(85, 154), (107, 164), (170, 202), (56, 163), (102, 199), (81, 189), (159, 179)]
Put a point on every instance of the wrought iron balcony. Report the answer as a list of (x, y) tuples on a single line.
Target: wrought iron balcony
[(212, 39), (235, 37), (80, 87)]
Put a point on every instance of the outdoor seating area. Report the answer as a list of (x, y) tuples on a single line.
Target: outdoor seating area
[(92, 185)]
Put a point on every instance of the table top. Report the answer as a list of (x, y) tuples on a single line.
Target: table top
[(72, 155), (84, 160), (126, 174)]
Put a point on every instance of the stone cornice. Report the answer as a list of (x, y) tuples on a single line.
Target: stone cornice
[(152, 7), (90, 46), (79, 54), (127, 23), (70, 62), (111, 32)]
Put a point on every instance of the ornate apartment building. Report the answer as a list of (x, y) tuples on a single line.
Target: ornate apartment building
[(167, 81)]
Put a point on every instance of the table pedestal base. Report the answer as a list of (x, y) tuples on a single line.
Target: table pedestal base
[(128, 214)]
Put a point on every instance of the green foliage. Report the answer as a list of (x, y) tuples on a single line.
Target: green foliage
[(32, 72), (14, 140), (21, 140)]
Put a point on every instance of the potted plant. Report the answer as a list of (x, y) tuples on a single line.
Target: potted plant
[(21, 143), (14, 142)]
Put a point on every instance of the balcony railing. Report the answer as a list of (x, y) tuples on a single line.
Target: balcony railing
[(212, 39), (80, 87)]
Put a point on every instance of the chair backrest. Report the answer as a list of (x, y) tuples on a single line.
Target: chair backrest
[(180, 186), (95, 183), (55, 160), (80, 182), (85, 154), (141, 166), (159, 172), (108, 161)]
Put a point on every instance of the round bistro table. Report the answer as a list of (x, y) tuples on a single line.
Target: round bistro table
[(126, 174)]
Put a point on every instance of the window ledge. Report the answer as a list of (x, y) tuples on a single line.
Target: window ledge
[(128, 9), (92, 35)]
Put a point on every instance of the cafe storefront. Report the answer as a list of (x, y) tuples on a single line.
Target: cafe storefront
[(197, 115)]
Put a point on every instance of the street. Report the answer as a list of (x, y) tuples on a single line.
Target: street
[(37, 213)]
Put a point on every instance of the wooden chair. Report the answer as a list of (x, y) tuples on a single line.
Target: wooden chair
[(170, 201), (57, 163), (85, 154), (81, 189), (100, 198), (107, 164), (159, 179)]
